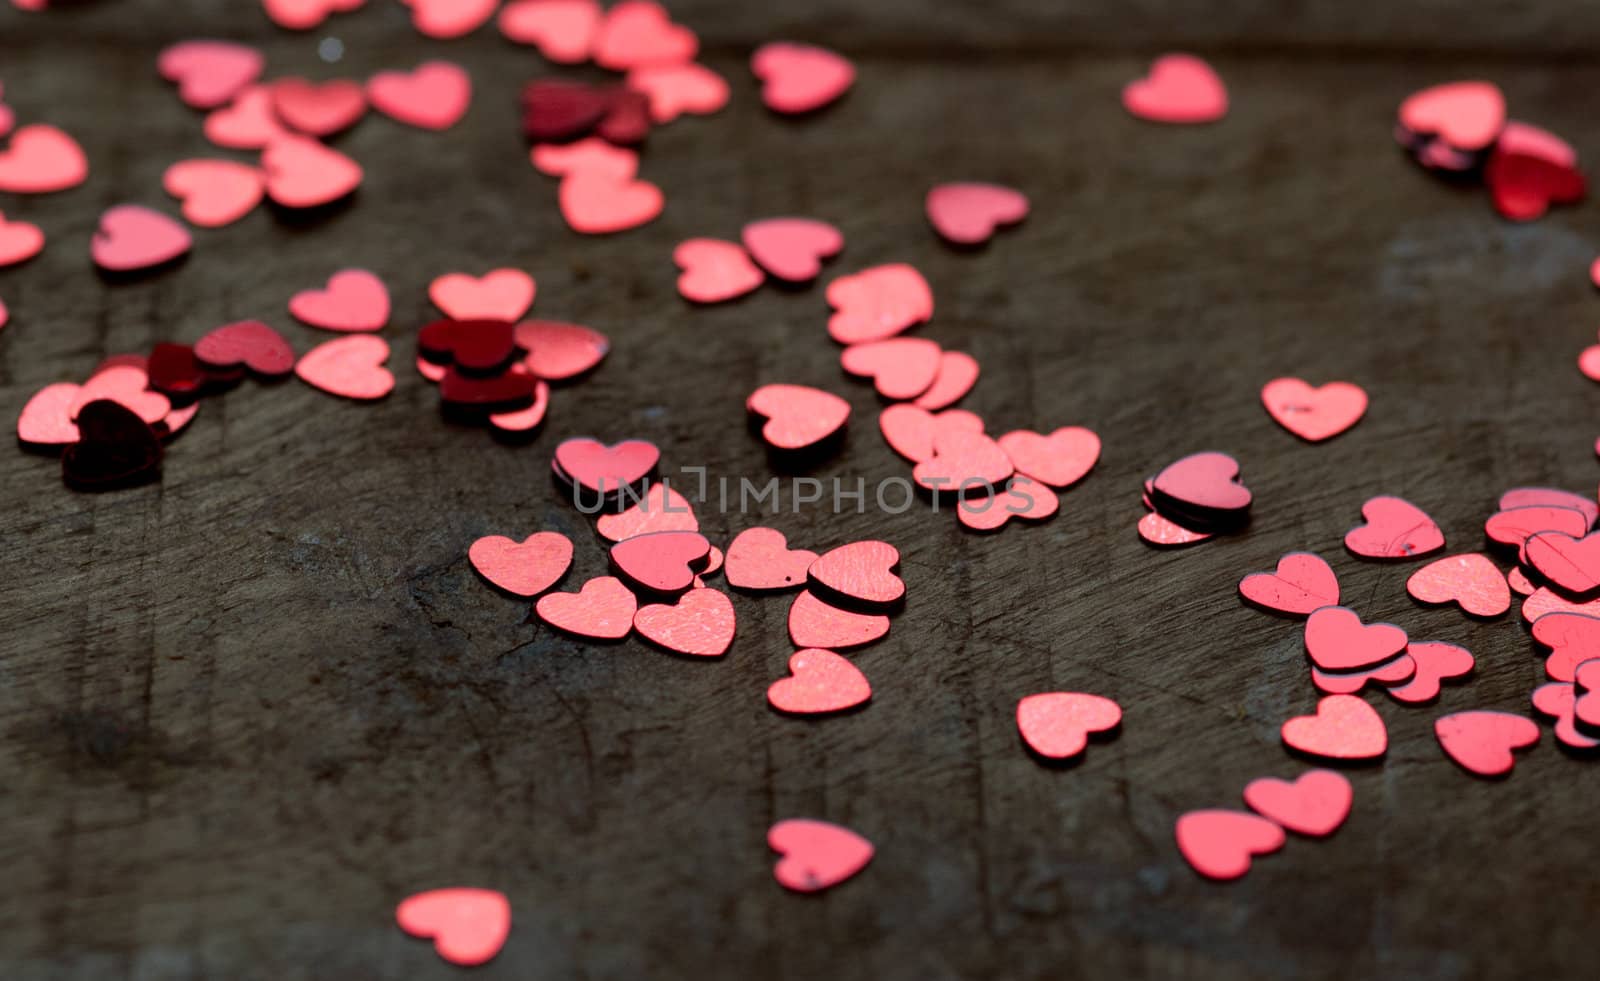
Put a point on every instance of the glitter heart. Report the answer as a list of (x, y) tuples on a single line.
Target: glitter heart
[(1315, 804), (1057, 724), (1219, 844), (1179, 89), (594, 203), (302, 173), (817, 855), (900, 367), (602, 610), (1343, 728), (660, 562), (1395, 529), (760, 559), (967, 214), (800, 78), (1471, 580), (639, 32), (525, 568), (503, 294), (1060, 459), (701, 624), (209, 73), (351, 367), (862, 572), (467, 926), (791, 249), (715, 271), (821, 682), (1314, 414), (214, 192), (558, 351), (797, 416), (318, 109), (563, 30), (1482, 742), (813, 623), (434, 96), (1337, 640), (250, 344), (1301, 584), (1435, 662), (673, 90), (42, 159), (877, 303), (1022, 499), (354, 300), (132, 238)]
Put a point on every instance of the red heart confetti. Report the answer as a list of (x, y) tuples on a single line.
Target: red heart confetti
[(504, 294), (1060, 459), (602, 610), (1395, 529), (1435, 662), (661, 509), (967, 214), (1205, 486), (1466, 115), (817, 855), (1470, 580), (42, 159), (1482, 742), (133, 238), (660, 562), (1572, 638), (1337, 640), (209, 73), (563, 30), (446, 19), (433, 96), (467, 926), (1556, 701), (597, 204), (1516, 525), (814, 623), (1343, 728), (1301, 584), (1523, 497), (302, 173), (520, 422), (1524, 187), (672, 90), (861, 572), (250, 344), (1567, 563), (637, 33), (1586, 686), (173, 370), (351, 367), (115, 449), (248, 123), (715, 271), (558, 110), (590, 154), (627, 119), (478, 346), (1179, 89), (760, 559), (1219, 844), (1398, 671), (559, 351), (46, 419), (1057, 724), (958, 372), (303, 15), (963, 463), (604, 470), (877, 303), (127, 384), (354, 300), (19, 241), (911, 431), (791, 249), (1315, 804), (820, 682), (797, 416), (1314, 414), (900, 367), (1543, 601), (800, 78), (1022, 499), (1162, 533), (525, 568), (319, 109), (214, 192), (701, 624)]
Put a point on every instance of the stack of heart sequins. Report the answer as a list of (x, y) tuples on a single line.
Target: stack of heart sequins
[(1193, 499), (1460, 130)]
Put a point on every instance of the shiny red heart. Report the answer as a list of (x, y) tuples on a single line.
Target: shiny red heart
[(1467, 115), (1524, 187), (214, 192), (248, 123), (1219, 844), (636, 33), (714, 270), (46, 419), (127, 384), (558, 351), (1301, 584), (900, 367), (511, 389), (760, 559), (1533, 141), (209, 73), (354, 300), (1515, 526), (1394, 672), (563, 30), (1482, 742), (1204, 483), (504, 294), (813, 623), (912, 431), (1572, 638), (967, 214), (963, 463), (800, 78), (860, 571), (131, 238), (1022, 499), (877, 303), (602, 469), (700, 624), (958, 372), (594, 203), (661, 509), (115, 449), (1557, 700), (627, 119), (434, 96), (173, 370), (1057, 724), (467, 926), (817, 855), (1544, 601), (520, 422), (1179, 89), (820, 682), (525, 568), (250, 344), (42, 159), (1315, 804), (797, 416), (558, 110), (673, 90), (1522, 497), (1060, 459), (661, 562), (474, 345), (1314, 414), (791, 249), (1435, 661), (1163, 533), (351, 367), (1337, 640), (602, 610), (302, 173), (1568, 563), (1470, 580), (1343, 728), (318, 109), (1395, 529)]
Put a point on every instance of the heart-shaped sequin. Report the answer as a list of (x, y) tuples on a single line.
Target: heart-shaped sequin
[(820, 682)]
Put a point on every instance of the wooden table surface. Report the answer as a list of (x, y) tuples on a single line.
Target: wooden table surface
[(245, 710)]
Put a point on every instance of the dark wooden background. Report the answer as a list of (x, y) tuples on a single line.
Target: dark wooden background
[(245, 711)]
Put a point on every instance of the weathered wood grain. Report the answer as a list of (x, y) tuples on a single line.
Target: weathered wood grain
[(245, 711)]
